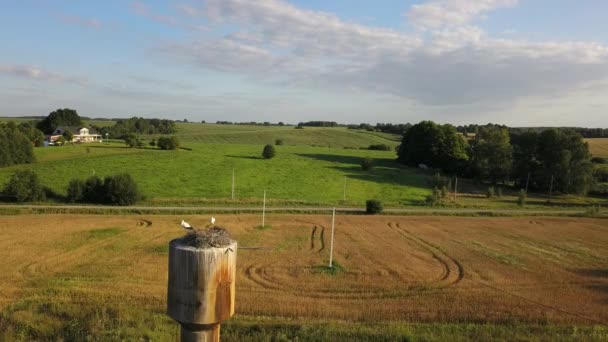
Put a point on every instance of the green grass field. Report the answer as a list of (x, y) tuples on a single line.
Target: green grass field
[(313, 167), (304, 174), (311, 136)]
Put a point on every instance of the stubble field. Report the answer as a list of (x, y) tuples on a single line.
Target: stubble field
[(73, 276)]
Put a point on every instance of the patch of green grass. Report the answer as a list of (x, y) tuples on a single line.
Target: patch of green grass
[(495, 254), (103, 233), (325, 269)]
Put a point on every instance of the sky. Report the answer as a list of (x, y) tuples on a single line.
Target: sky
[(513, 62)]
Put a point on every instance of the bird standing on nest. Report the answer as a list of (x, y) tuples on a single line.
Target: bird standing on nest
[(187, 226), (212, 220)]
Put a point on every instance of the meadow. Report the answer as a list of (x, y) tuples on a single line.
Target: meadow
[(74, 277), (315, 166), (301, 174)]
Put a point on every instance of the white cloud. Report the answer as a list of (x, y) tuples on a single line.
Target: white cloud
[(445, 13), (39, 74), (453, 64), (80, 21)]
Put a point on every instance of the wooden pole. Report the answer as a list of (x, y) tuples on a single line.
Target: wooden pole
[(233, 184), (264, 210), (331, 244), (201, 289)]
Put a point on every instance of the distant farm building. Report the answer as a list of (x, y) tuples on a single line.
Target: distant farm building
[(81, 134)]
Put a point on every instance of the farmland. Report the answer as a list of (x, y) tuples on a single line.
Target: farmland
[(310, 159), (77, 275), (297, 173), (598, 146)]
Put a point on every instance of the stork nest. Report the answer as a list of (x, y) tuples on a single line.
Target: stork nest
[(207, 238)]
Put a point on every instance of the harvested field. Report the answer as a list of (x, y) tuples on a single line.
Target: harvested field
[(598, 146), (59, 268)]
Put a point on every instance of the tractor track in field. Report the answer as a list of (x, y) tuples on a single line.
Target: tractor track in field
[(452, 270), (312, 238)]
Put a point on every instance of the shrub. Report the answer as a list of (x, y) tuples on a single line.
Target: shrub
[(373, 206), (491, 192), (69, 136), (268, 152), (121, 189), (153, 142), (24, 186), (299, 127), (599, 160), (444, 192), (434, 198), (521, 198), (438, 181), (168, 143), (131, 140), (367, 163), (379, 147), (278, 142), (601, 174), (75, 191), (93, 190)]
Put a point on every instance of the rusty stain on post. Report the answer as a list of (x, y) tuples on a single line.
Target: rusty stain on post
[(201, 288)]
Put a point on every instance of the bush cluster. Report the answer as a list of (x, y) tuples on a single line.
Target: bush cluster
[(367, 164), (373, 206), (380, 147), (119, 189), (601, 174), (15, 146), (168, 143), (24, 186), (268, 152)]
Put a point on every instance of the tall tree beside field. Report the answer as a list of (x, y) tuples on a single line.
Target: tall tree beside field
[(60, 117), (526, 161), (564, 155), (15, 147), (492, 154), (33, 134), (434, 145)]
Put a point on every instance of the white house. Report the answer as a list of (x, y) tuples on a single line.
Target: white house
[(81, 134)]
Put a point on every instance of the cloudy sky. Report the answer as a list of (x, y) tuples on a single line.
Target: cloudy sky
[(516, 62)]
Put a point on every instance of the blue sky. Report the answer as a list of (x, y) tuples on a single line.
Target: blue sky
[(517, 62)]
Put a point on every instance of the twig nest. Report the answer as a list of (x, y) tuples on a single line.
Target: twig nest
[(206, 238)]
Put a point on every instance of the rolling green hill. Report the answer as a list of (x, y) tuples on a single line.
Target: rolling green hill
[(302, 174), (248, 134)]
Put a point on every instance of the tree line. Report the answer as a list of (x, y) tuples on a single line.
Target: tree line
[(138, 125), (553, 159)]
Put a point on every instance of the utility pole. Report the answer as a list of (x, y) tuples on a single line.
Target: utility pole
[(527, 182), (331, 245), (233, 184), (264, 210)]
